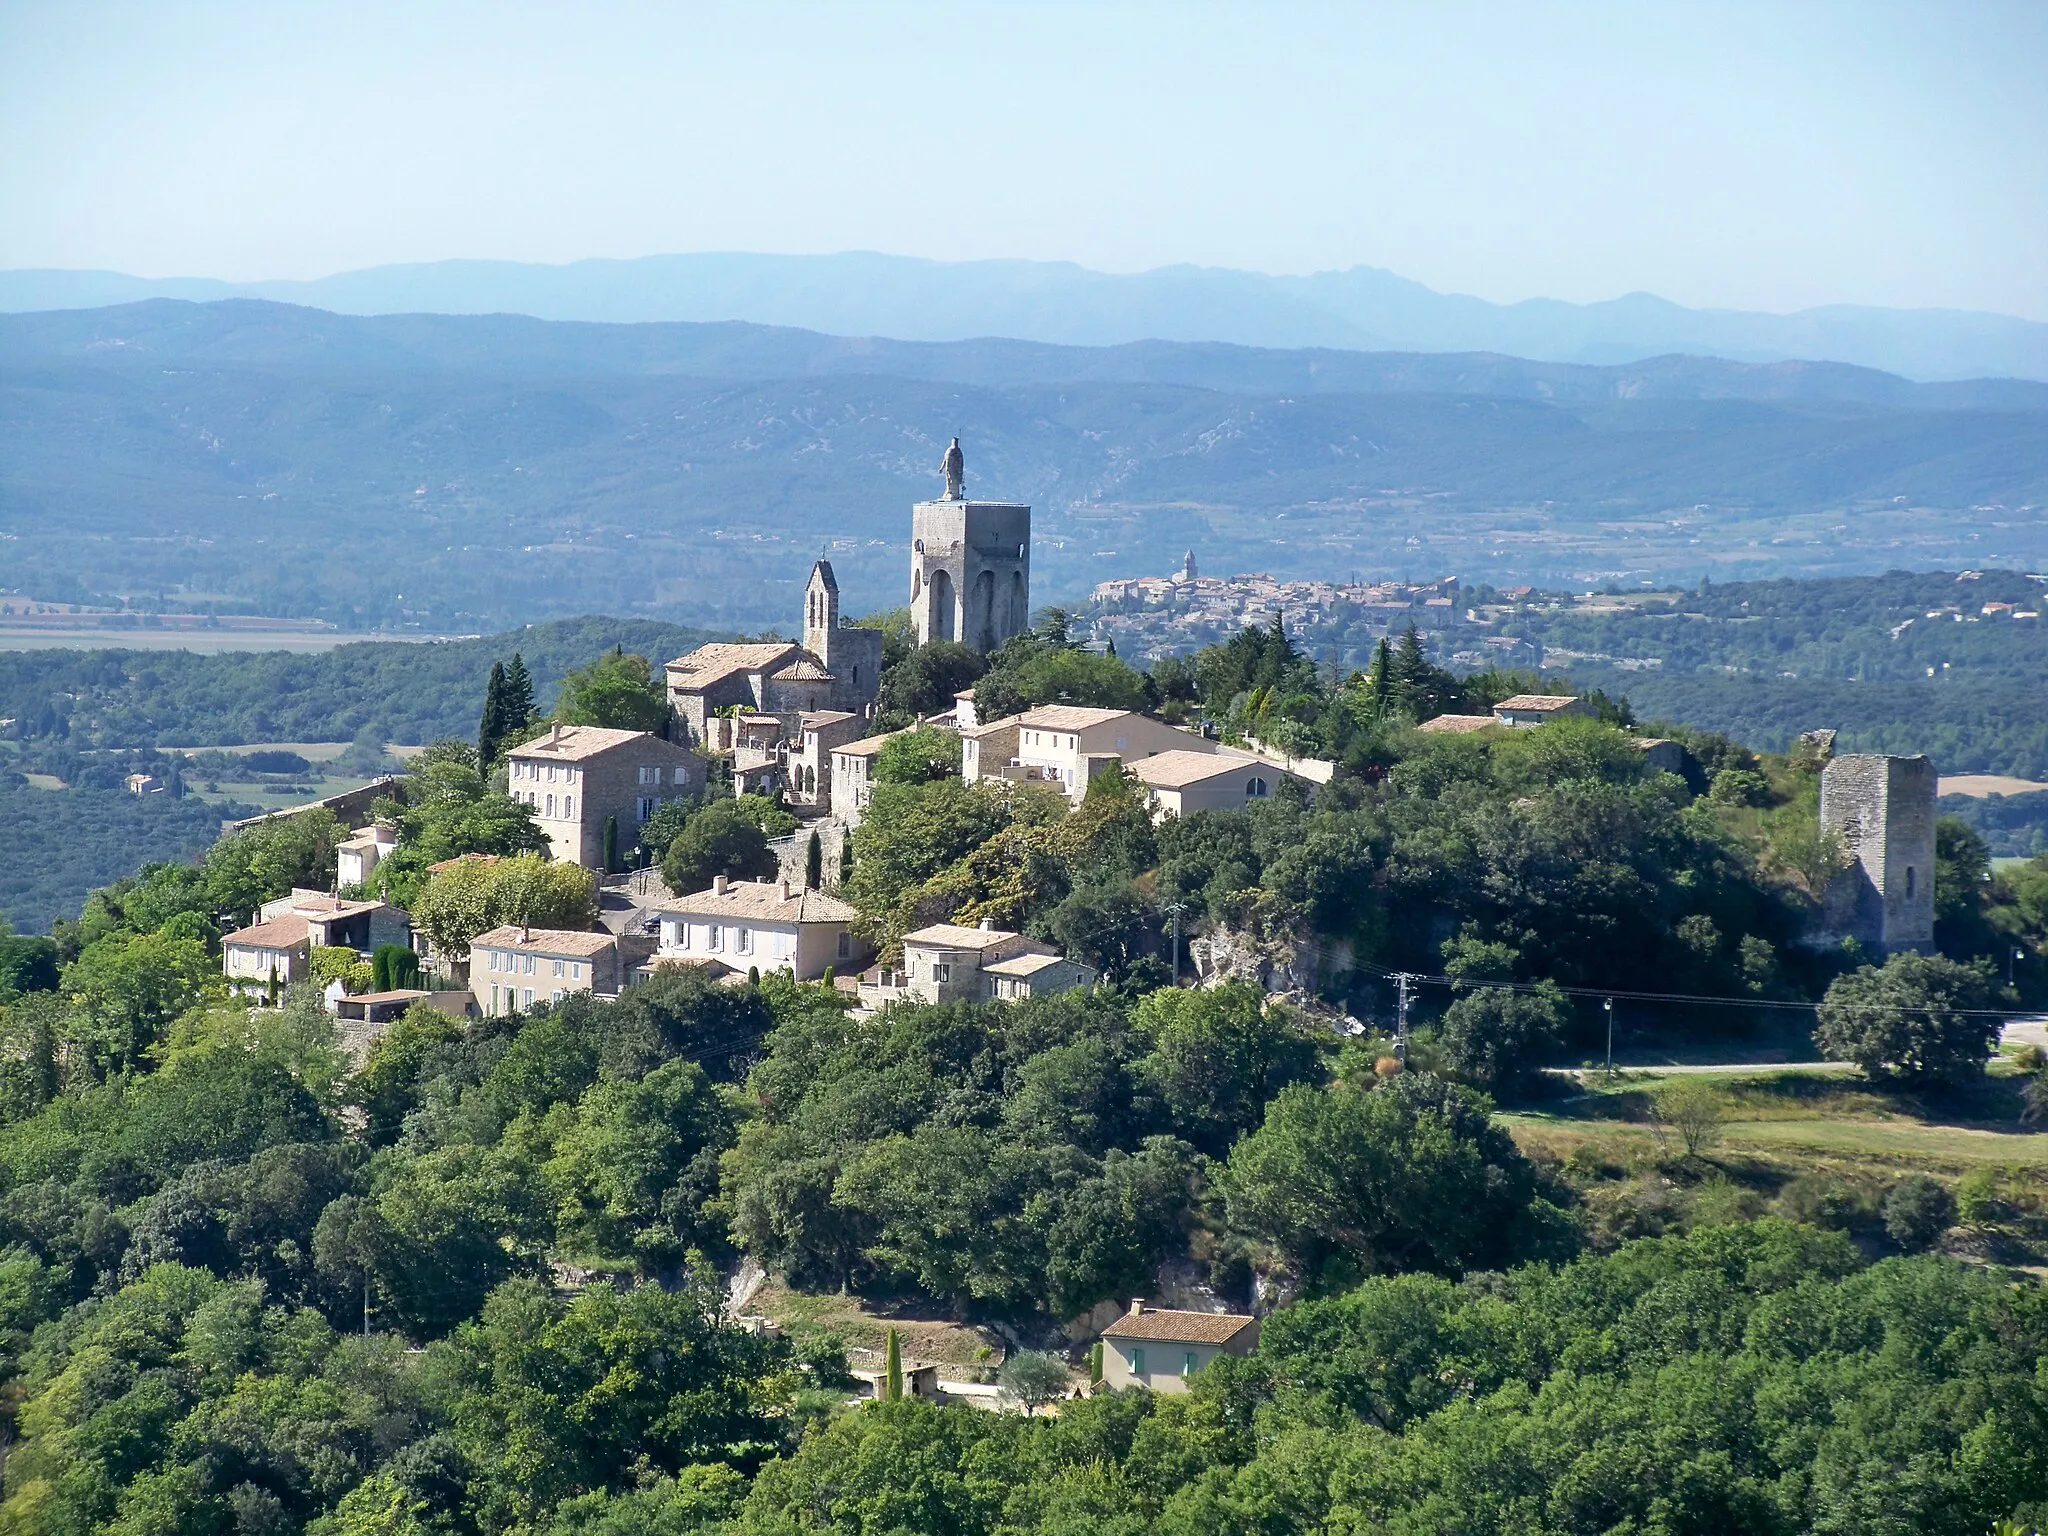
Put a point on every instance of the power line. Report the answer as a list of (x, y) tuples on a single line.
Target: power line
[(1415, 978)]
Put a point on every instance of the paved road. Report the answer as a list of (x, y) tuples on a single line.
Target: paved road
[(2031, 1030)]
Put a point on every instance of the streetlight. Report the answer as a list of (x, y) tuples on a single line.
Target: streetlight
[(2010, 961), (1608, 1004)]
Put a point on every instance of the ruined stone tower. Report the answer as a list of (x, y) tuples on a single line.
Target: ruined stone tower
[(1882, 809), (970, 566)]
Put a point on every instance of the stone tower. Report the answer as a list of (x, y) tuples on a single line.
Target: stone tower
[(821, 612), (1882, 809), (970, 565)]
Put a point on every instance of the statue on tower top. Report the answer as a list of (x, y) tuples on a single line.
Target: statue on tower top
[(955, 467)]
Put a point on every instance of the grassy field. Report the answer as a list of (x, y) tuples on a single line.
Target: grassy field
[(965, 1352), (1796, 1110)]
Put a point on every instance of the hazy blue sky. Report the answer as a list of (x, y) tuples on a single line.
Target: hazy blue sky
[(1751, 155)]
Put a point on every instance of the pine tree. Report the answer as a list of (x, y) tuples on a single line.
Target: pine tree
[(518, 694), (814, 862), (892, 1367), (490, 729)]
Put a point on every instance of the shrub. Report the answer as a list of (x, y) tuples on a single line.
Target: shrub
[(1918, 1019), (1917, 1211)]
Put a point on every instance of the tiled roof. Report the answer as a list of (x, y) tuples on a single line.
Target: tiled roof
[(811, 719), (1458, 724), (1543, 702), (713, 663), (578, 742), (802, 669), (462, 858), (1178, 769), (406, 994), (867, 746), (278, 933), (763, 899), (1069, 717), (1173, 1327), (1024, 965), (953, 936), (325, 909), (545, 941), (992, 728)]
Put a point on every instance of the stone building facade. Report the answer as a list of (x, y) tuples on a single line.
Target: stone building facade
[(577, 776), (1882, 809), (837, 668)]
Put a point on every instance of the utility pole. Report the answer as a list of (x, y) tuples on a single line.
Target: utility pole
[(1609, 1006), (1401, 1016)]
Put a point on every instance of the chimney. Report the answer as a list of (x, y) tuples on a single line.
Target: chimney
[(1137, 1306), (785, 888), (718, 885), (988, 925), (555, 734)]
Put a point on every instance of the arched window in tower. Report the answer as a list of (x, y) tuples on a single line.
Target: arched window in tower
[(1912, 881), (944, 619)]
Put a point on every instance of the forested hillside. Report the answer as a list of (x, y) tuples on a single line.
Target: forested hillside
[(1904, 662), (473, 1281), (460, 475), (398, 691)]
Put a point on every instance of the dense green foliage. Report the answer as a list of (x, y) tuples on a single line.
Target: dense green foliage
[(60, 844), (1903, 662), (405, 692), (1753, 1378)]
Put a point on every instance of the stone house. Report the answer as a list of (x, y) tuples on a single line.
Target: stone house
[(808, 760), (357, 857), (1161, 1348), (773, 924), (513, 968), (1179, 783), (578, 775), (1526, 709), (947, 963), (1067, 745), (853, 777), (837, 667), (280, 943)]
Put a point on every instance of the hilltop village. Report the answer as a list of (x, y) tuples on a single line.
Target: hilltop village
[(812, 1070), (796, 725)]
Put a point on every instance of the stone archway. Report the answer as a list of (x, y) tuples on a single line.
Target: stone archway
[(945, 620)]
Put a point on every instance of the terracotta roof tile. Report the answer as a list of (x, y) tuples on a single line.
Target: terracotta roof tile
[(545, 941), (1179, 1327)]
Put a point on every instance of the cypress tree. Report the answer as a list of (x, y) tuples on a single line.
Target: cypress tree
[(611, 845), (814, 862), (1095, 1364), (845, 861), (518, 694), (892, 1367), (490, 729)]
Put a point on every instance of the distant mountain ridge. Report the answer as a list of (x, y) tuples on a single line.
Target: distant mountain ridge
[(261, 333), (460, 473), (867, 294)]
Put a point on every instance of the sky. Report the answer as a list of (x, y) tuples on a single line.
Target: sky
[(1741, 155)]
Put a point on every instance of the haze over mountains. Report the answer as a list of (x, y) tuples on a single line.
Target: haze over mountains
[(866, 294), (468, 472)]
